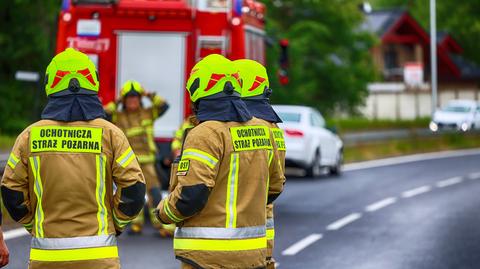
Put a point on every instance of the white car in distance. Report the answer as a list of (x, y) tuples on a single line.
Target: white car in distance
[(310, 145), (462, 115)]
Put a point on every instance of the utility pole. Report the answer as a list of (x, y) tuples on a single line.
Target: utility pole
[(433, 54)]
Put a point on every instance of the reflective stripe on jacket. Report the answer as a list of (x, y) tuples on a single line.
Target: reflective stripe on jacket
[(219, 196), (64, 174)]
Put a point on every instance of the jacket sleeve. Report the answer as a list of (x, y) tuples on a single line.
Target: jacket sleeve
[(129, 197), (276, 174), (159, 106), (196, 174), (15, 183), (111, 111)]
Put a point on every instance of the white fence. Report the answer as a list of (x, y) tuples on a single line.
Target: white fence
[(395, 101)]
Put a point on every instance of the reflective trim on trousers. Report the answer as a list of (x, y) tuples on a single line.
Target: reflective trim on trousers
[(270, 223), (220, 244), (220, 233), (82, 254), (74, 242)]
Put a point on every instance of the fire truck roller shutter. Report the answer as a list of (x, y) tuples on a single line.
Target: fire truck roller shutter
[(157, 60)]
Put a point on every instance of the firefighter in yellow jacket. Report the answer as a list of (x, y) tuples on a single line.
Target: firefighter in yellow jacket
[(256, 95), (60, 178), (221, 185), (137, 123)]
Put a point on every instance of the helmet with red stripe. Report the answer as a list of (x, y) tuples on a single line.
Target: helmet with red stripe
[(71, 70)]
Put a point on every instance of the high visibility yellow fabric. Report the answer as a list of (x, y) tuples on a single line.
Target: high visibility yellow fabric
[(251, 138), (66, 139), (279, 138), (126, 158), (219, 245), (254, 77), (150, 158), (100, 191), (202, 156), (73, 254), (170, 214), (67, 65), (38, 189), (135, 131), (232, 190), (12, 161), (212, 72), (131, 85), (270, 234)]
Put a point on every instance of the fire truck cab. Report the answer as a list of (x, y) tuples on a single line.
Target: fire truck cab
[(157, 42)]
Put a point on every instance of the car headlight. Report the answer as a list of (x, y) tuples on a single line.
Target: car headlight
[(464, 127), (433, 126)]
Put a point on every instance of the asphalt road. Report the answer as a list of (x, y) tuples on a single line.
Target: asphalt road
[(422, 214)]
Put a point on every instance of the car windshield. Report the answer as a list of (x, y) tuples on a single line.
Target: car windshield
[(289, 116), (457, 108)]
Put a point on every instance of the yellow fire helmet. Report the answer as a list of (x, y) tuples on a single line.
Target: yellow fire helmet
[(72, 70), (254, 78), (212, 75), (133, 87)]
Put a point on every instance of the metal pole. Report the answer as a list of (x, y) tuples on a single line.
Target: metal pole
[(433, 54)]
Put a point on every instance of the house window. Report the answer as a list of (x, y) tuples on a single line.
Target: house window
[(390, 58)]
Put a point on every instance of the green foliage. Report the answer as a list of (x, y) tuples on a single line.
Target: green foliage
[(27, 39), (330, 63), (411, 145), (355, 124), (459, 18)]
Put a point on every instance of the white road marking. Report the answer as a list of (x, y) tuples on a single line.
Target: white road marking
[(449, 182), (381, 204), (416, 191), (11, 234), (302, 244), (344, 221), (474, 175), (409, 159)]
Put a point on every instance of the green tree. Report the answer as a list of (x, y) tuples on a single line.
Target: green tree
[(330, 63), (459, 18), (27, 40)]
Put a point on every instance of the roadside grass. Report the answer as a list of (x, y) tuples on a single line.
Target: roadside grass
[(412, 145), (351, 125), (6, 142)]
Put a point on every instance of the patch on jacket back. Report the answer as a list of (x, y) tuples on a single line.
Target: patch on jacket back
[(66, 139), (183, 167), (279, 139), (250, 138)]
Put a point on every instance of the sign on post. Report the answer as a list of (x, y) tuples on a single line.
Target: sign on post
[(413, 74), (27, 76)]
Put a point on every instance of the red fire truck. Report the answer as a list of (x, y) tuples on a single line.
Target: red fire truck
[(157, 42)]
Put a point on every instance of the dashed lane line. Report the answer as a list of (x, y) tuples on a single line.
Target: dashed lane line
[(449, 182), (344, 221), (302, 244), (416, 191), (11, 234), (474, 175), (381, 204)]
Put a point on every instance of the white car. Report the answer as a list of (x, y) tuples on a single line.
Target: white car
[(461, 115), (309, 144)]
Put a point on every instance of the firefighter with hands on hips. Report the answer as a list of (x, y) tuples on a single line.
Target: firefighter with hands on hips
[(61, 171), (137, 123), (228, 172), (256, 93)]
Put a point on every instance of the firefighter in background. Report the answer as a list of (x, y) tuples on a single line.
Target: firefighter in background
[(256, 93), (137, 123), (187, 124), (219, 187), (60, 175)]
